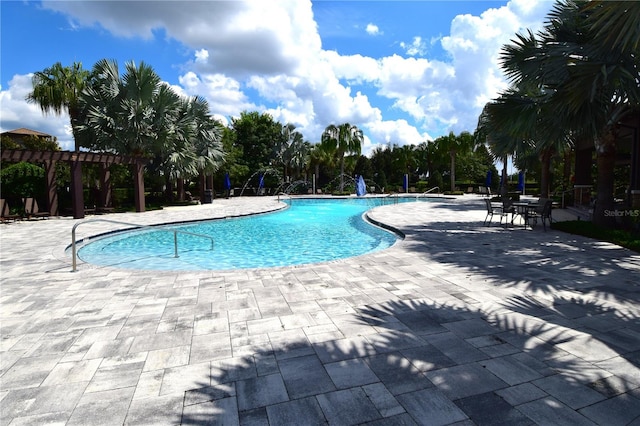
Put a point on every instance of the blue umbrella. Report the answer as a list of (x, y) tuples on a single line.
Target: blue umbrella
[(261, 183), (227, 181), (361, 187), (487, 182), (521, 182)]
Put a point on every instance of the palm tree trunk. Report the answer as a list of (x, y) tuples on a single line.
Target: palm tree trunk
[(545, 173), (453, 170), (503, 186), (180, 187), (606, 158), (168, 189)]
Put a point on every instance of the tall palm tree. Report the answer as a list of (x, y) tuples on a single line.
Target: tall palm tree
[(120, 112), (519, 123), (347, 139), (300, 151), (285, 149), (207, 137), (453, 145), (57, 89), (590, 80)]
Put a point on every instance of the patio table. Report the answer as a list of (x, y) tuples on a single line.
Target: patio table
[(523, 210)]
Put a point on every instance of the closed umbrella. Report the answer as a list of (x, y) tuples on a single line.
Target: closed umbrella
[(361, 187), (227, 184), (487, 181), (260, 183), (521, 182)]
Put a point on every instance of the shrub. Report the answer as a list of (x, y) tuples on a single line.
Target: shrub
[(628, 239)]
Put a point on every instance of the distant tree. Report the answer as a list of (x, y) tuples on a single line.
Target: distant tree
[(363, 167), (256, 135), (57, 90), (290, 150), (453, 144), (322, 157), (382, 163), (404, 161), (37, 143), (347, 139)]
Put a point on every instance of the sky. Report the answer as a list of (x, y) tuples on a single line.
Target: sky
[(404, 72)]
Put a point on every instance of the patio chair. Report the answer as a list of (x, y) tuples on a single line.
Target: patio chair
[(542, 211), (493, 209), (31, 208), (5, 211)]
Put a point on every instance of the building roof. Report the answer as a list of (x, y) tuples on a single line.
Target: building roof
[(26, 132)]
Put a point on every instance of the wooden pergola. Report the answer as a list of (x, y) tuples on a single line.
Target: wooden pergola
[(76, 159)]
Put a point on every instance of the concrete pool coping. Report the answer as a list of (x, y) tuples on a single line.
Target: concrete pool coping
[(458, 322)]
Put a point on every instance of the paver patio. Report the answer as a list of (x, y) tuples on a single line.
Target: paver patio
[(458, 323)]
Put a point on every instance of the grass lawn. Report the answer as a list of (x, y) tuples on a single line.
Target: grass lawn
[(624, 238)]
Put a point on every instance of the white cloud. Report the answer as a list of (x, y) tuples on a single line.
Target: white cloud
[(398, 132), (17, 112), (224, 94), (273, 49), (202, 56), (372, 29), (417, 47)]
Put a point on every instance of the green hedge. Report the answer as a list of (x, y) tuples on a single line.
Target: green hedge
[(628, 239)]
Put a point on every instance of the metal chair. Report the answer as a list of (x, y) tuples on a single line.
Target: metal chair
[(491, 210), (543, 211)]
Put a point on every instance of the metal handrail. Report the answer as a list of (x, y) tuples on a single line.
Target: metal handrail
[(74, 250), (428, 191)]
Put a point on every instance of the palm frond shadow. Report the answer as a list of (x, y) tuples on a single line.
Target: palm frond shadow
[(401, 346)]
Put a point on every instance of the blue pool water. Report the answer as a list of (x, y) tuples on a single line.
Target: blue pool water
[(310, 231)]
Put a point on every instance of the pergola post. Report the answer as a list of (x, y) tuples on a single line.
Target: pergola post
[(105, 186), (52, 189), (138, 186), (77, 196)]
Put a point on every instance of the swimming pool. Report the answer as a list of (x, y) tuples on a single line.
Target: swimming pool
[(309, 231)]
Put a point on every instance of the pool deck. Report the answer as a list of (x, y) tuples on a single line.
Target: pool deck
[(459, 323)]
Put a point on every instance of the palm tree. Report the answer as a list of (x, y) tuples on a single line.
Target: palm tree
[(57, 89), (347, 139), (192, 140), (286, 148), (404, 160), (520, 124), (120, 112), (138, 114), (589, 80), (321, 154), (301, 157)]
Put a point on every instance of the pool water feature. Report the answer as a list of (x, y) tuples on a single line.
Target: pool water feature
[(310, 231)]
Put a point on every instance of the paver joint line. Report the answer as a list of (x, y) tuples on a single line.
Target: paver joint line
[(540, 326)]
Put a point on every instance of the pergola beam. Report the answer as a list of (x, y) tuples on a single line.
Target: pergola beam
[(76, 159)]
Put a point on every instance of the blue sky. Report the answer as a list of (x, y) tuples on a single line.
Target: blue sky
[(404, 72)]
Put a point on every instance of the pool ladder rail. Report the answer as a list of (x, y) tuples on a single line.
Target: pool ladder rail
[(74, 251)]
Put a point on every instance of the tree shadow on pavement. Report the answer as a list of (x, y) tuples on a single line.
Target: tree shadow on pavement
[(416, 362)]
